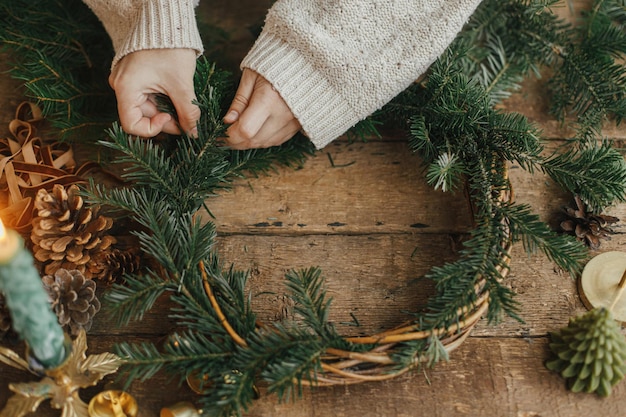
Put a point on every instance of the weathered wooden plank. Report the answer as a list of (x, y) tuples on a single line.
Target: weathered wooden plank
[(492, 377), (371, 274), (373, 278), (373, 187), (485, 377), (373, 281), (382, 191)]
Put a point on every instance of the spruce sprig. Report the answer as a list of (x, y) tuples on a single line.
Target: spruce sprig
[(453, 126), (62, 54), (596, 173), (125, 303)]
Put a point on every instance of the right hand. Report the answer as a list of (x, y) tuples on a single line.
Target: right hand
[(258, 115)]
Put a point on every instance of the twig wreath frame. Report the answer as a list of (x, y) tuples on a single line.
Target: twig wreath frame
[(221, 350), (452, 124)]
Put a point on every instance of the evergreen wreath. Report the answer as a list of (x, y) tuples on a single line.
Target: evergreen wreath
[(462, 140)]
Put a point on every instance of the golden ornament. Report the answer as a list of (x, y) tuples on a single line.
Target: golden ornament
[(182, 409), (113, 403)]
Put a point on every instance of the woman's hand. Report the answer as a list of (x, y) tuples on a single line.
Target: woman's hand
[(258, 116), (140, 75)]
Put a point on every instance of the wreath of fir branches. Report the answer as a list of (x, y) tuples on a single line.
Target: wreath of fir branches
[(454, 126)]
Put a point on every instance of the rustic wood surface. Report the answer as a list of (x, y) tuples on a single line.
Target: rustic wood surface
[(363, 213)]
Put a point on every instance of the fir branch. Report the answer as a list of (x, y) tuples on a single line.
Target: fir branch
[(455, 283), (191, 351), (512, 137), (416, 352), (565, 251), (445, 173), (230, 288), (501, 299), (409, 354), (590, 79), (62, 53), (145, 358), (195, 313), (309, 296), (291, 154), (597, 174), (287, 355), (436, 352), (497, 74), (614, 10), (161, 240), (146, 163), (296, 365), (231, 395), (420, 140), (133, 299)]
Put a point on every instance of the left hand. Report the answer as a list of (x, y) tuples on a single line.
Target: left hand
[(140, 75), (258, 115)]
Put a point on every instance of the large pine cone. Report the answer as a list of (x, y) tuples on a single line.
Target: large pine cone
[(73, 299), (67, 234)]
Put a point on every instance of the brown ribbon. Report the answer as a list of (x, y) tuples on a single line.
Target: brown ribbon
[(28, 164)]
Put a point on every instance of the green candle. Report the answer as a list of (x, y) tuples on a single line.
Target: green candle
[(31, 313)]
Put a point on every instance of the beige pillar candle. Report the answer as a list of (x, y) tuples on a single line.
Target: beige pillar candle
[(603, 283)]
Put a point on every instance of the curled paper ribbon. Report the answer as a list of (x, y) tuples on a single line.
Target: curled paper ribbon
[(28, 164)]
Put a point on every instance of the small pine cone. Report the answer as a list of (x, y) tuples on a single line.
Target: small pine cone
[(5, 317), (588, 228), (67, 234), (73, 299), (111, 266), (590, 352)]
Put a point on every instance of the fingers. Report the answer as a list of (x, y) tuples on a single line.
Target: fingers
[(242, 96), (188, 113), (269, 135), (139, 116), (142, 74), (259, 116)]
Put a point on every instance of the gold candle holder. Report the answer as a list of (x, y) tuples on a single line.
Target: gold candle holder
[(60, 385), (113, 403), (181, 409)]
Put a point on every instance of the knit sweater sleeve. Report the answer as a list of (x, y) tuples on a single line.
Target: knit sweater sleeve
[(335, 62), (134, 25)]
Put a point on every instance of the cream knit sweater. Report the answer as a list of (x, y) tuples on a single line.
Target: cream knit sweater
[(334, 62)]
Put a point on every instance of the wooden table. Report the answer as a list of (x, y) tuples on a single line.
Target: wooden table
[(363, 213)]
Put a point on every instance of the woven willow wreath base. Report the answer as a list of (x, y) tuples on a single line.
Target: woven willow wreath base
[(341, 367)]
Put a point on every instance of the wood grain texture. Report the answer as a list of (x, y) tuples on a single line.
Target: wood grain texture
[(363, 213), (347, 189)]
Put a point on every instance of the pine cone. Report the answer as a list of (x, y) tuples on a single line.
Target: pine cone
[(5, 317), (587, 227), (73, 299), (67, 234), (590, 352), (111, 266)]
